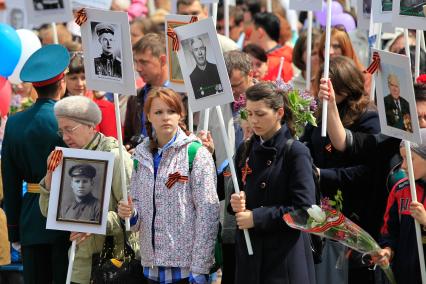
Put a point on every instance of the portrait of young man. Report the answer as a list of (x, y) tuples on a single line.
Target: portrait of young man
[(396, 107), (107, 64), (204, 78), (82, 205)]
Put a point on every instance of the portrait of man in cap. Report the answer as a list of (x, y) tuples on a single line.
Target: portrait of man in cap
[(205, 79), (81, 205), (40, 5), (108, 63)]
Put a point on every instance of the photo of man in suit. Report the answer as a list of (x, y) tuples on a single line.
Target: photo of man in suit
[(107, 64), (84, 207), (397, 108), (205, 78)]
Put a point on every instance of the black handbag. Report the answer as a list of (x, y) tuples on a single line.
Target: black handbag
[(107, 270)]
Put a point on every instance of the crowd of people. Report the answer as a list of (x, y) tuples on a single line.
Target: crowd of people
[(187, 222)]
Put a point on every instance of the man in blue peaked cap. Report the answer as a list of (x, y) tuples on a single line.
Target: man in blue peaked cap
[(29, 138)]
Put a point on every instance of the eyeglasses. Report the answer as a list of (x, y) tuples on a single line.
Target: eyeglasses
[(67, 131)]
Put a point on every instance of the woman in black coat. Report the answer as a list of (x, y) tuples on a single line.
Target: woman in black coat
[(364, 196), (271, 185)]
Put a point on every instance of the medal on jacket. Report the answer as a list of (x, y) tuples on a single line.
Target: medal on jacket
[(174, 178), (245, 172)]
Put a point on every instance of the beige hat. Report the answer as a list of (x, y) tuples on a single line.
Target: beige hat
[(80, 109)]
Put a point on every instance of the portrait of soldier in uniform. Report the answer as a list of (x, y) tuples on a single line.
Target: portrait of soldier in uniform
[(397, 108), (40, 5), (83, 206), (205, 77), (108, 63)]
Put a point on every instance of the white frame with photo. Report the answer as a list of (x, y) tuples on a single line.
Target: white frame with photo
[(176, 85), (409, 22), (86, 156), (125, 85), (399, 64), (306, 5), (379, 16), (363, 19), (202, 28), (97, 4), (11, 5), (48, 16)]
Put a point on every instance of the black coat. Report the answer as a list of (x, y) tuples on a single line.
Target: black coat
[(281, 254), (364, 196)]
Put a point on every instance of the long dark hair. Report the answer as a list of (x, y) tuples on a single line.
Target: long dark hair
[(347, 81), (173, 100), (274, 98)]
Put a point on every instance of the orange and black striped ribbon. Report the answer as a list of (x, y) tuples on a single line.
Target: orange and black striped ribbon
[(55, 160), (245, 171), (175, 41), (81, 17), (174, 178), (193, 19), (374, 65)]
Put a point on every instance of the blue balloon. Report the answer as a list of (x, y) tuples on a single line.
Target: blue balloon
[(10, 50)]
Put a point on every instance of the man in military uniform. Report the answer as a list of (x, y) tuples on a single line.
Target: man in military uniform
[(47, 4), (205, 78), (84, 207), (107, 64), (397, 108), (29, 138)]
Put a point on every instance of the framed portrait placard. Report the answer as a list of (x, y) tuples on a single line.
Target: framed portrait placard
[(382, 11), (363, 14), (80, 191), (45, 12), (395, 97), (306, 5), (175, 73), (408, 14), (203, 67), (15, 14), (108, 57)]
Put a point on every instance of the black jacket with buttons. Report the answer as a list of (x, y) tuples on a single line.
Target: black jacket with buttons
[(281, 254)]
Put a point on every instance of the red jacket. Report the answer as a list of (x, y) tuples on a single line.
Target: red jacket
[(107, 125), (274, 58)]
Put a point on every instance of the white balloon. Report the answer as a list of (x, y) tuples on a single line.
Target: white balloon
[(30, 44)]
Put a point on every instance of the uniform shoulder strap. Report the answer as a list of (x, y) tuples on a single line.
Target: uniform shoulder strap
[(192, 151)]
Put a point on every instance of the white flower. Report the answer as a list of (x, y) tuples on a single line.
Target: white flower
[(316, 213)]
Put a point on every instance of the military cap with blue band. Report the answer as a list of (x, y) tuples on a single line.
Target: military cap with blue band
[(102, 28), (82, 170), (46, 66)]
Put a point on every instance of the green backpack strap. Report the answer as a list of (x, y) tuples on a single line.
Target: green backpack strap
[(192, 151)]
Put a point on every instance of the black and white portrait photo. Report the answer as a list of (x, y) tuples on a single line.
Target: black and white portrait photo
[(204, 76), (81, 192), (17, 18), (108, 62), (41, 5)]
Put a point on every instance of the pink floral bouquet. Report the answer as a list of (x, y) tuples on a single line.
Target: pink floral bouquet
[(330, 223)]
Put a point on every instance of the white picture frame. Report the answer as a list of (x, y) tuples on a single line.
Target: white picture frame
[(381, 12), (175, 77), (363, 14), (400, 19), (108, 56), (15, 14), (212, 88), (399, 119), (96, 4), (63, 194), (306, 5), (38, 13)]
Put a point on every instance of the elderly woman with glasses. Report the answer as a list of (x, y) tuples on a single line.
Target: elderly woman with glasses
[(77, 118)]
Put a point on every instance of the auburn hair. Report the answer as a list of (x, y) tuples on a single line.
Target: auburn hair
[(173, 100)]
